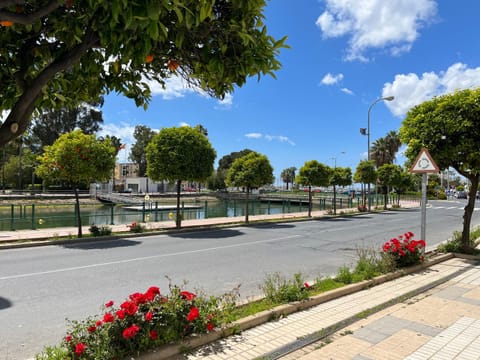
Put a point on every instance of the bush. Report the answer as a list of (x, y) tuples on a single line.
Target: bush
[(103, 230), (136, 227), (404, 250), (277, 289), (144, 321), (344, 275)]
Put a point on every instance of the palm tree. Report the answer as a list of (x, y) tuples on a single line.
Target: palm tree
[(288, 175), (384, 149)]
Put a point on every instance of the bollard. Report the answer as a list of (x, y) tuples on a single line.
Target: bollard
[(33, 216)]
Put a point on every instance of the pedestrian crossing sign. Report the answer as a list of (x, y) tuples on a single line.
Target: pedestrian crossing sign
[(424, 163)]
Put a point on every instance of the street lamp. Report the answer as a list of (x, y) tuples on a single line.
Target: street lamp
[(364, 131)]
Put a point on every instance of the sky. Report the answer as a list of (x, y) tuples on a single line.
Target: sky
[(344, 55)]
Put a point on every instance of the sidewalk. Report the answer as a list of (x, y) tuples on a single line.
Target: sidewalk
[(430, 314)]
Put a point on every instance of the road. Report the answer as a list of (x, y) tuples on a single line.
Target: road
[(40, 287)]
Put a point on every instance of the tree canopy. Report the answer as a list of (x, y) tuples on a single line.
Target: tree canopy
[(143, 135), (313, 173), (449, 127), (250, 171), (56, 53), (179, 153)]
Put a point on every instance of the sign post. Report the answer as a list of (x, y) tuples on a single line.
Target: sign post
[(424, 164)]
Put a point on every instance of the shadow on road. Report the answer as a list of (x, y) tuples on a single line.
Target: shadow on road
[(272, 226), (101, 244), (4, 303), (217, 234)]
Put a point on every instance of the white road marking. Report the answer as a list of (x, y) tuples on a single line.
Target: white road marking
[(146, 258)]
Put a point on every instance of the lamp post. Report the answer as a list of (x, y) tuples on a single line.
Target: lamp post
[(362, 131)]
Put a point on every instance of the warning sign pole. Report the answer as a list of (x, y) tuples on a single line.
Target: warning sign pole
[(424, 164)]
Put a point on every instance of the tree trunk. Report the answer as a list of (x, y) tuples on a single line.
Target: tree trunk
[(467, 216), (178, 219), (77, 210), (246, 204), (334, 200), (309, 200)]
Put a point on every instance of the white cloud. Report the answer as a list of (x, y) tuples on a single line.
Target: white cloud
[(410, 89), (175, 87), (183, 124), (369, 24), (267, 137), (347, 91), (330, 79), (122, 131), (226, 103)]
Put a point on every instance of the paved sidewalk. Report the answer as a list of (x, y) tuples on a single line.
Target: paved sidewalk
[(440, 321)]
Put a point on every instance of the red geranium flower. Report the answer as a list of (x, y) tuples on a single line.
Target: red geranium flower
[(79, 348), (193, 314), (99, 323), (109, 304), (130, 331), (138, 298), (108, 317), (149, 316), (120, 314), (306, 285), (186, 295), (153, 335), (130, 307), (68, 338), (209, 326), (91, 328)]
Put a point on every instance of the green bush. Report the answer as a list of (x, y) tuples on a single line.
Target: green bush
[(103, 230), (344, 275), (277, 289), (136, 227)]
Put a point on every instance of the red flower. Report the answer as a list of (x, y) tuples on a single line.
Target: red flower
[(120, 314), (99, 323), (79, 348), (306, 285), (193, 314), (186, 295), (68, 338), (209, 326), (154, 290), (108, 317), (153, 335), (130, 331), (91, 328), (109, 304), (138, 298), (130, 307), (149, 316)]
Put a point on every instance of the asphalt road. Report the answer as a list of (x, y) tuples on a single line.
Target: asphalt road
[(40, 287)]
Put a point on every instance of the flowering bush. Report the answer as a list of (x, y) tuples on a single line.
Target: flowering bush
[(404, 250), (144, 321), (136, 227)]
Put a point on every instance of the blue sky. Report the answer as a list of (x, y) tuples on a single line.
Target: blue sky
[(344, 55)]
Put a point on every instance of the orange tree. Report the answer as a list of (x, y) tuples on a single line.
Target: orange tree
[(57, 54), (250, 171), (76, 158), (177, 154), (449, 127), (313, 173)]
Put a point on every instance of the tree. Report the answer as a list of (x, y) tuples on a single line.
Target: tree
[(388, 175), (449, 127), (58, 53), (76, 158), (288, 175), (19, 170), (224, 165), (48, 126), (250, 171), (143, 135), (313, 173), (177, 154), (341, 177), (365, 174), (384, 150)]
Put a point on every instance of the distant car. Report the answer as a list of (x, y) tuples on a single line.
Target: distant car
[(461, 195)]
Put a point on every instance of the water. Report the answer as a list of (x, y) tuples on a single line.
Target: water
[(18, 217)]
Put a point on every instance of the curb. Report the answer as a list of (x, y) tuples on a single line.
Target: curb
[(167, 351)]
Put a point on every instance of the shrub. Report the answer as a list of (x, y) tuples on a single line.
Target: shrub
[(404, 250), (143, 321), (344, 275), (277, 289), (136, 227), (103, 230)]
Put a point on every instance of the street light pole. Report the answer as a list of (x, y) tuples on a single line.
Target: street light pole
[(386, 98)]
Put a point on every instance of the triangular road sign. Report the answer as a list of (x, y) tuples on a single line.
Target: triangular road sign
[(424, 163)]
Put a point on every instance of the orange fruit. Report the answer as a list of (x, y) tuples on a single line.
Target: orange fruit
[(69, 3), (6, 23), (172, 65), (149, 58)]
